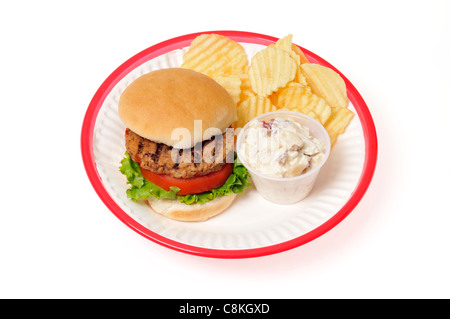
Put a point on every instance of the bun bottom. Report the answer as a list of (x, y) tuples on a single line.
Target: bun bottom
[(173, 209)]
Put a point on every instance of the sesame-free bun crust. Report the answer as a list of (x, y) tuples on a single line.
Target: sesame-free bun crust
[(173, 209), (157, 103)]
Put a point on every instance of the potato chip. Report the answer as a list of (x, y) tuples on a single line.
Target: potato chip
[(299, 77), (286, 45), (313, 115), (326, 83), (274, 98), (251, 108), (309, 113), (232, 84), (246, 87), (215, 55), (297, 97), (338, 121), (270, 69), (294, 52), (299, 52), (299, 85)]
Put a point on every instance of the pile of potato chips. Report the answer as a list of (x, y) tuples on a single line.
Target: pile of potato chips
[(279, 77)]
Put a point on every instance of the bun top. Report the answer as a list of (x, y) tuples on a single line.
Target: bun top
[(162, 106)]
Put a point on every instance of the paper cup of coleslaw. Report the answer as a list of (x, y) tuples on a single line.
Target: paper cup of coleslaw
[(284, 152)]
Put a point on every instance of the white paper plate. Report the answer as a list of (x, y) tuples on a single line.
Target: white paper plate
[(251, 226)]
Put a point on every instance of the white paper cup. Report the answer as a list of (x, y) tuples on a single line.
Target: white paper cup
[(286, 190)]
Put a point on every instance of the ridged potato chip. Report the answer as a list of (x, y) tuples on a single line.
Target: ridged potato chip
[(232, 84), (337, 123), (285, 44), (270, 69), (299, 77), (275, 95), (294, 51), (309, 113), (296, 97), (299, 52), (326, 83), (274, 98), (246, 87), (215, 55), (251, 108)]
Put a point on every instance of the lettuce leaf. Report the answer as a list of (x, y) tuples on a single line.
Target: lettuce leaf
[(141, 188)]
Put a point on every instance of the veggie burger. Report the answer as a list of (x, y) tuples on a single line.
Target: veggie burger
[(179, 145)]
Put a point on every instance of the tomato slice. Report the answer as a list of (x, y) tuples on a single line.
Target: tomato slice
[(194, 185)]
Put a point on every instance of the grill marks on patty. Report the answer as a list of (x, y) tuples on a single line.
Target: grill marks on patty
[(157, 157)]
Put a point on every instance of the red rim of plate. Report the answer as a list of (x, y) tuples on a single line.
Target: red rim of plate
[(156, 50)]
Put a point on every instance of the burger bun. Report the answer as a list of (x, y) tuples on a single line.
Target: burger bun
[(173, 209), (158, 103)]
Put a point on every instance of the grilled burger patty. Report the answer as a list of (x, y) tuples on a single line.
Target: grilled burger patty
[(157, 157)]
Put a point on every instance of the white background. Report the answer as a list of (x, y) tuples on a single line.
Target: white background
[(58, 239)]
